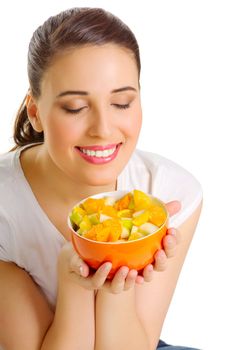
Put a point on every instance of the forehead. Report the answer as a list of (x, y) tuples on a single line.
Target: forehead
[(92, 68)]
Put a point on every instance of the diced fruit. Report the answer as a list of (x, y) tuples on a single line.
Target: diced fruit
[(94, 218), (85, 224), (92, 205), (131, 217), (77, 215), (103, 234), (110, 200), (135, 235), (142, 200), (123, 202), (137, 213), (127, 223), (157, 215), (148, 228), (109, 210), (141, 219), (104, 217), (125, 232), (134, 229), (115, 229), (131, 205), (92, 233), (125, 213)]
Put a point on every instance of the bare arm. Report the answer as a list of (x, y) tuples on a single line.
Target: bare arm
[(134, 319), (153, 298), (117, 325), (26, 321)]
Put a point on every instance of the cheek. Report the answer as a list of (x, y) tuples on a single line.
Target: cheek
[(61, 130), (132, 124)]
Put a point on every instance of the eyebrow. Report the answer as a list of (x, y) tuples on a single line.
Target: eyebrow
[(85, 93)]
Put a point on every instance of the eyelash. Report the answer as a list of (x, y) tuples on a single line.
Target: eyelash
[(76, 111)]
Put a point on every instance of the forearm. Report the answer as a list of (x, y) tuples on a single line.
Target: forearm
[(73, 327), (117, 324)]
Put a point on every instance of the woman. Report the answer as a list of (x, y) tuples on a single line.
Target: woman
[(75, 135)]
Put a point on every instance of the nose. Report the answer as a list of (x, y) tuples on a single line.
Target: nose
[(101, 124)]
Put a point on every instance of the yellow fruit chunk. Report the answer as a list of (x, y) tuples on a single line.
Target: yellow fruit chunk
[(135, 235), (77, 215), (109, 211), (141, 219), (115, 229), (123, 203), (125, 213), (93, 205), (85, 224), (157, 215), (103, 234), (141, 200), (94, 218)]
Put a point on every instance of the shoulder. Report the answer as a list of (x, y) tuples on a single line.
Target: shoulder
[(9, 186), (6, 166), (168, 181)]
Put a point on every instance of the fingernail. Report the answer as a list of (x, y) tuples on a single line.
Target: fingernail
[(81, 269), (150, 268), (124, 272), (107, 267), (161, 255), (172, 232)]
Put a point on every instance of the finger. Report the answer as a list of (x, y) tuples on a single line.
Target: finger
[(173, 207), (100, 275), (160, 261), (148, 273), (130, 280), (78, 266), (175, 233), (170, 245), (139, 279), (118, 282)]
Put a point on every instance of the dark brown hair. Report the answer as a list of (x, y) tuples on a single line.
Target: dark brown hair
[(69, 29)]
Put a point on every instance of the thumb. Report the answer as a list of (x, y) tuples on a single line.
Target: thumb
[(173, 207)]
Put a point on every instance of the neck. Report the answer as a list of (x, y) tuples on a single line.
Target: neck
[(60, 184)]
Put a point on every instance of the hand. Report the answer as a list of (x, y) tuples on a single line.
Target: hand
[(77, 270), (170, 242), (72, 269)]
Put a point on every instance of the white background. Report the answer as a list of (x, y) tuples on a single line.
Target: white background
[(186, 94)]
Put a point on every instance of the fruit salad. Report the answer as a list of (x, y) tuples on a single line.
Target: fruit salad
[(131, 217)]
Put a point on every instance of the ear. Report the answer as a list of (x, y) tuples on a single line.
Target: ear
[(33, 113)]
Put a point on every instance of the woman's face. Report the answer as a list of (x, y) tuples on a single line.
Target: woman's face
[(90, 112)]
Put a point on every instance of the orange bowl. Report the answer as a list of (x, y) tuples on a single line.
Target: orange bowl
[(135, 254)]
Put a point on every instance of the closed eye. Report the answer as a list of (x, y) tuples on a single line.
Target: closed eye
[(73, 111), (121, 106)]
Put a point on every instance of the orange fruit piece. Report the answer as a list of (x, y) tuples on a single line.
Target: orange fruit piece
[(141, 200), (103, 234), (109, 210), (93, 205), (157, 215), (115, 229), (124, 202), (92, 233)]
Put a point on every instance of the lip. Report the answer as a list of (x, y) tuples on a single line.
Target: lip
[(99, 160), (99, 147)]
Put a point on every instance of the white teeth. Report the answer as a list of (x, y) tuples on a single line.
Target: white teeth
[(98, 154)]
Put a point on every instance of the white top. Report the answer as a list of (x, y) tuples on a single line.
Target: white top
[(29, 239)]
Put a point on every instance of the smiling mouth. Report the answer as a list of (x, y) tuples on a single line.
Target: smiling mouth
[(99, 151)]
